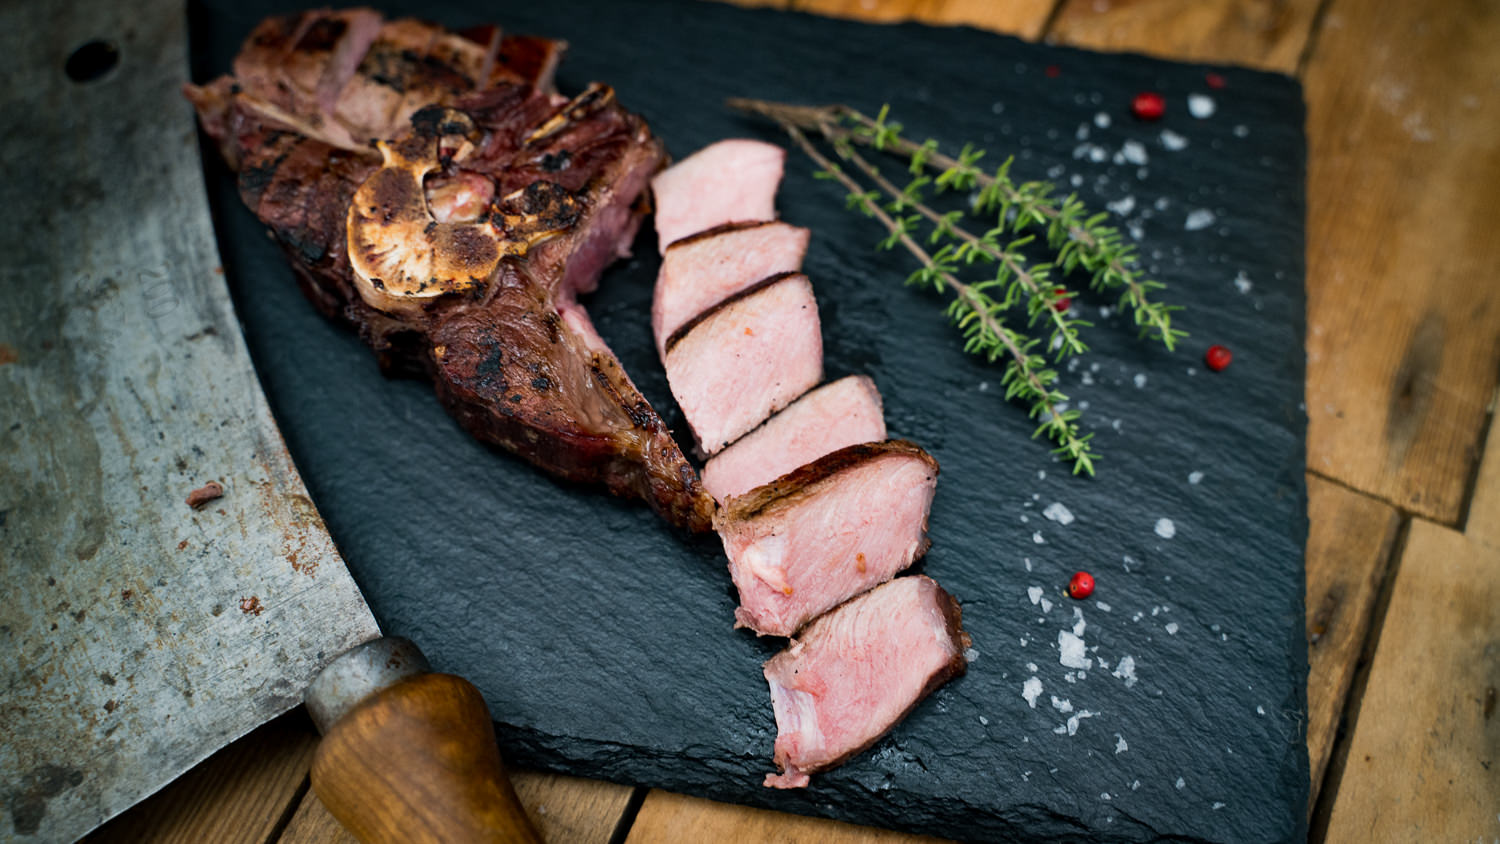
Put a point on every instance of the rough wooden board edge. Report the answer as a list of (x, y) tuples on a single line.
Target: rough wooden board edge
[(1422, 759), (668, 817), (564, 809), (1270, 36), (1401, 344), (1023, 18), (1349, 546), (240, 794)]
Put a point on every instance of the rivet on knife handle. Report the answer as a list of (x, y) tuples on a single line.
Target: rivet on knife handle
[(408, 755)]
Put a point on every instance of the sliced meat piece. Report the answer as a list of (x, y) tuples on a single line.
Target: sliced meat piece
[(845, 412), (701, 270), (732, 181), (804, 543), (853, 674), (747, 358)]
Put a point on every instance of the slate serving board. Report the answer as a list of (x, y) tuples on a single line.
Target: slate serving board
[(602, 639)]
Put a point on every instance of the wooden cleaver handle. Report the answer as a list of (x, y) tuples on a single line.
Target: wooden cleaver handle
[(416, 761)]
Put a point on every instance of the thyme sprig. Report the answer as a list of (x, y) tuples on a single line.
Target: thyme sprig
[(976, 313), (1080, 240)]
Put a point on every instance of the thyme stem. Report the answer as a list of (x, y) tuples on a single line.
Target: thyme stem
[(1049, 295), (991, 336)]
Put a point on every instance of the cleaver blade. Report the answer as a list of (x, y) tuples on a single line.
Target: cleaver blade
[(140, 634)]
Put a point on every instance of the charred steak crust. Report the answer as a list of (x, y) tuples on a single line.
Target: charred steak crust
[(746, 293), (788, 489), (716, 231), (513, 356)]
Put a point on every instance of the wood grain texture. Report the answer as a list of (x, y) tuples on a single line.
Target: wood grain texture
[(1404, 109), (1269, 34), (240, 794), (1025, 18), (1424, 760), (1483, 522), (668, 817), (565, 810), (1348, 549), (417, 762)]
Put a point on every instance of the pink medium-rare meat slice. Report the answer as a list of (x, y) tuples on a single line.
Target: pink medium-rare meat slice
[(746, 358), (732, 181), (853, 674), (810, 540), (844, 412), (701, 270)]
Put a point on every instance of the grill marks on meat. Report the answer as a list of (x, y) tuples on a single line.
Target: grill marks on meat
[(853, 674), (842, 413), (826, 532), (704, 269), (473, 138)]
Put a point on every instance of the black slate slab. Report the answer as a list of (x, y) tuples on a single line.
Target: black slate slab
[(602, 639)]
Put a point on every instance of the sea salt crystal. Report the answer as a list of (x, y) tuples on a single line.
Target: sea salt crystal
[(1122, 206), (1180, 783), (1140, 380), (1195, 477), (1242, 282), (983, 720), (1063, 705), (1103, 607), (1242, 131), (971, 655), (1125, 670), (1172, 141), (1199, 219), (1059, 513), (1260, 710), (1041, 474), (1035, 594), (1135, 152), (1165, 529), (1037, 538), (1079, 625), (1031, 666), (1172, 628), (1120, 745), (1072, 725), (1031, 690), (1071, 651), (1102, 120), (1046, 605), (1201, 106), (1083, 132), (1098, 154), (1218, 806)]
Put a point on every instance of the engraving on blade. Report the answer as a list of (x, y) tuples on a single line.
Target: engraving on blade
[(141, 634)]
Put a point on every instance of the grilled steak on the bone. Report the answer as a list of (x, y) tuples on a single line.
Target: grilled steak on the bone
[(486, 202)]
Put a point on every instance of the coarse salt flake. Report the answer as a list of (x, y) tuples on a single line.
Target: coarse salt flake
[(1195, 477), (1058, 512), (1201, 106), (1199, 219), (1071, 651), (1165, 529), (1035, 594), (1031, 690), (1125, 670)]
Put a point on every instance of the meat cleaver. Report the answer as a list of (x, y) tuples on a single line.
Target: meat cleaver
[(141, 634)]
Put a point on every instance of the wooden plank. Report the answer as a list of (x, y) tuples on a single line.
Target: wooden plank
[(1424, 760), (1483, 522), (564, 809), (1402, 346), (1268, 34), (1348, 549), (1025, 18), (666, 817), (240, 794)]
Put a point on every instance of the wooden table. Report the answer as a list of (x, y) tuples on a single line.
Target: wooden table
[(1403, 285)]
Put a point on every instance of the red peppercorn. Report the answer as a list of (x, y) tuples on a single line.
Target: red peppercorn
[(1063, 302), (1081, 586), (1053, 71), (1214, 80), (1148, 106), (1217, 357)]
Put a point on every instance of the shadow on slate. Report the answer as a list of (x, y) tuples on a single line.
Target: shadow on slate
[(602, 639)]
